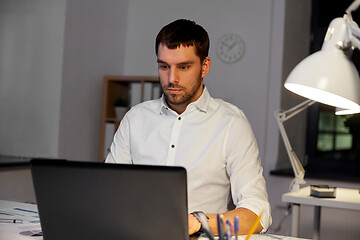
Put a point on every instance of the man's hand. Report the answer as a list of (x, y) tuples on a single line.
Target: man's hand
[(194, 224), (246, 219)]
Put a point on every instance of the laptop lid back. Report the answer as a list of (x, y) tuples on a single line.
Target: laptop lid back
[(87, 200)]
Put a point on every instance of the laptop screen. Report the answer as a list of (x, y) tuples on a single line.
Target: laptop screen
[(87, 200)]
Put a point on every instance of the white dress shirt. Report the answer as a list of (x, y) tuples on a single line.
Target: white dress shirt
[(212, 139)]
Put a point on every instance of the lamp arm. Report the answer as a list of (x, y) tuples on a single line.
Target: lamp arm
[(297, 167), (352, 28), (353, 6), (354, 34), (285, 115)]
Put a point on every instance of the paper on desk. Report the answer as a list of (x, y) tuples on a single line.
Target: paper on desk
[(24, 214), (17, 231)]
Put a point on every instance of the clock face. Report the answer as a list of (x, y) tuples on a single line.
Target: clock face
[(230, 48)]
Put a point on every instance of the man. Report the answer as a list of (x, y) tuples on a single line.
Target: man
[(211, 138)]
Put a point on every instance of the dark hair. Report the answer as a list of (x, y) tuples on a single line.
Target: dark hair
[(186, 33)]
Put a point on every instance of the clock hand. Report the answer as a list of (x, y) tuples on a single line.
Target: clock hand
[(226, 45), (232, 45)]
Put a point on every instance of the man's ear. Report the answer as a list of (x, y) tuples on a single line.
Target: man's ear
[(205, 68)]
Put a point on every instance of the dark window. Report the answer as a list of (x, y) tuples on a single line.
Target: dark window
[(333, 145)]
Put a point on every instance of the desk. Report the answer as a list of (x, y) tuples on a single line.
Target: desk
[(345, 199), (11, 231), (253, 237), (259, 237), (18, 231)]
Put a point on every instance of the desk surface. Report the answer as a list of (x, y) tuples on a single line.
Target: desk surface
[(20, 231), (260, 237), (345, 198)]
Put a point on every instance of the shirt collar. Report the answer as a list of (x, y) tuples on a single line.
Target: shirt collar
[(201, 104)]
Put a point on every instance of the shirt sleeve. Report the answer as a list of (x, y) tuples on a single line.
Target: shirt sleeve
[(120, 147), (248, 187)]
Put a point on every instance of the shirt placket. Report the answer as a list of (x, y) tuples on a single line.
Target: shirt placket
[(173, 145)]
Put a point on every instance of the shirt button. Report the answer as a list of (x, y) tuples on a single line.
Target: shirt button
[(179, 118), (172, 146)]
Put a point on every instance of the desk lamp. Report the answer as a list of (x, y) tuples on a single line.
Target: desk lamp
[(327, 76)]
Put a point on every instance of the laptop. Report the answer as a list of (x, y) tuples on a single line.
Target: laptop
[(89, 200)]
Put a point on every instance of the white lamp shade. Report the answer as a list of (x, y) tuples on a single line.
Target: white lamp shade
[(327, 76), (341, 111)]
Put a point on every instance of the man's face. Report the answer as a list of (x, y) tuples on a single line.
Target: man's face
[(181, 75)]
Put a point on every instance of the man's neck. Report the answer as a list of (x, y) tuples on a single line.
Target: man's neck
[(180, 108)]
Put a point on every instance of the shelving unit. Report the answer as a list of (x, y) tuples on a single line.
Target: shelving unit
[(136, 89)]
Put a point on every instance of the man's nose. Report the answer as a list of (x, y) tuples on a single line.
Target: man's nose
[(173, 75)]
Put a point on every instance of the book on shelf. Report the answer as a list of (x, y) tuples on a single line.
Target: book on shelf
[(135, 93), (148, 86), (109, 134), (156, 91)]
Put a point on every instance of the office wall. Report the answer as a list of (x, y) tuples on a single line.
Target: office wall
[(31, 54), (94, 46), (54, 55)]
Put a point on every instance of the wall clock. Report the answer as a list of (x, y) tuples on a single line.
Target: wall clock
[(230, 48)]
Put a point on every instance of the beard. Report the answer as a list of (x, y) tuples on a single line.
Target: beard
[(187, 95)]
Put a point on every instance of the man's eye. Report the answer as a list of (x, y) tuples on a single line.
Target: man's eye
[(184, 67), (163, 66)]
